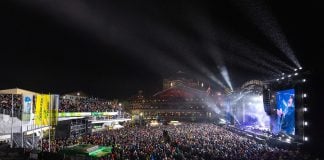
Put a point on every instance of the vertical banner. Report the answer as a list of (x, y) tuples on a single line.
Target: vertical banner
[(38, 110), (27, 107), (54, 105), (45, 109), (42, 109)]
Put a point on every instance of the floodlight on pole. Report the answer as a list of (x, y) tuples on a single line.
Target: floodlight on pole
[(305, 109), (304, 95)]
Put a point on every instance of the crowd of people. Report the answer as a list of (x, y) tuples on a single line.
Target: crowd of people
[(10, 102), (186, 141), (86, 104), (6, 101)]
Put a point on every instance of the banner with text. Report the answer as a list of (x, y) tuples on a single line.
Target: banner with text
[(42, 109), (38, 110), (27, 108)]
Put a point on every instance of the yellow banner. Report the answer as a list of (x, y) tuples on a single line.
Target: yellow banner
[(38, 110), (45, 109), (42, 109)]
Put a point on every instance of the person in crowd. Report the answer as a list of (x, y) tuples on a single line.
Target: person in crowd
[(187, 141)]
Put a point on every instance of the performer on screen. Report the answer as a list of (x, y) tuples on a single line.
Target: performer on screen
[(288, 120), (280, 115)]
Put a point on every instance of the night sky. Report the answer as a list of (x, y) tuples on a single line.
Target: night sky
[(112, 49)]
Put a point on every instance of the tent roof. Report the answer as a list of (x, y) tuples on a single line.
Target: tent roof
[(16, 91)]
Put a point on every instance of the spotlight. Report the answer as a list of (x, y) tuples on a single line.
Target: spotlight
[(300, 68), (289, 75), (278, 79), (304, 95), (305, 138), (304, 80), (295, 69), (282, 77), (296, 74), (305, 109), (283, 74), (306, 123), (288, 140)]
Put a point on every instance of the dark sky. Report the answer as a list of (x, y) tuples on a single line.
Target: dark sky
[(114, 48)]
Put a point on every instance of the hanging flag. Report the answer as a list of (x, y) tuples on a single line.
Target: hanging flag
[(38, 110), (45, 109), (27, 107), (54, 105)]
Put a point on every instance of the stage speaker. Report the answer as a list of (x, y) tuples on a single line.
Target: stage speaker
[(267, 100)]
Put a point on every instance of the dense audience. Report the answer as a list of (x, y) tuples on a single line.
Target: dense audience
[(187, 141), (6, 104), (86, 104), (6, 101), (83, 104)]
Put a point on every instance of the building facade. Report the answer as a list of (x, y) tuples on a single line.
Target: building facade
[(180, 99)]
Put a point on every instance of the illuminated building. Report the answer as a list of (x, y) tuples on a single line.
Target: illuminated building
[(181, 99)]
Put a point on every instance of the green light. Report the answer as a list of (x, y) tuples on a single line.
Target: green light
[(100, 152), (93, 153)]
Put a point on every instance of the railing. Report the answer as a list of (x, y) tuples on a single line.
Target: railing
[(16, 112)]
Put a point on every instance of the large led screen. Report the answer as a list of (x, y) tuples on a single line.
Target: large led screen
[(285, 112)]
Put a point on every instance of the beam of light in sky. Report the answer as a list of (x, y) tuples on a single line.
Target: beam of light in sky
[(182, 46), (218, 59), (247, 63), (110, 30), (225, 75), (203, 27), (85, 18), (255, 51), (250, 53), (266, 22)]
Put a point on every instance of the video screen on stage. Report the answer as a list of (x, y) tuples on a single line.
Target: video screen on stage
[(285, 112)]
